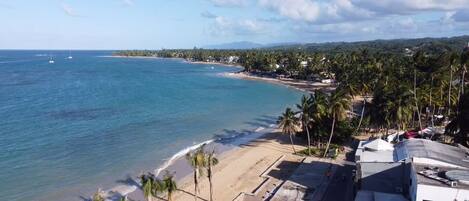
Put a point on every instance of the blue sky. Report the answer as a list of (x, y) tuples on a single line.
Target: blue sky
[(155, 24)]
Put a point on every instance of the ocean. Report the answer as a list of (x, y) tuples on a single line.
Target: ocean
[(70, 127)]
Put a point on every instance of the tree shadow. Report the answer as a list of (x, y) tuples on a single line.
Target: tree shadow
[(191, 194)]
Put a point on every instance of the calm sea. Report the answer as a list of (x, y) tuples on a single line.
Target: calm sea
[(78, 124)]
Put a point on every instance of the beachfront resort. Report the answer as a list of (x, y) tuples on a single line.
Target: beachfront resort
[(234, 100)]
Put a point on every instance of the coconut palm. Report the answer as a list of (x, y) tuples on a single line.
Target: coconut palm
[(458, 125), (211, 161), (98, 196), (289, 125), (305, 109), (318, 112), (147, 182), (196, 160), (168, 185), (339, 103)]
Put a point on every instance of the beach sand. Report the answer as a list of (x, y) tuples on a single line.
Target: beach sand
[(240, 169), (306, 86)]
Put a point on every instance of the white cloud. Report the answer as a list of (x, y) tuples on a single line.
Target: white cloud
[(224, 27), (69, 10), (321, 12), (230, 2), (295, 9), (128, 2), (410, 6), (461, 16)]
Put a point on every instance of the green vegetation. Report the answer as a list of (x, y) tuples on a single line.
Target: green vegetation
[(289, 125), (412, 84), (201, 160)]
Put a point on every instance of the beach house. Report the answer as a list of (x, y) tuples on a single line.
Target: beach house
[(414, 170)]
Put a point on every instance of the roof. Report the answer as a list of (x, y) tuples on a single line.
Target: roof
[(441, 173), (422, 148), (378, 145), (376, 196)]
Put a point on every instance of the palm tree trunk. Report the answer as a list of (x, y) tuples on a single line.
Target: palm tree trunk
[(170, 196), (292, 145), (463, 82), (330, 137), (361, 115), (195, 184), (416, 100), (449, 89), (431, 112), (210, 181), (309, 139)]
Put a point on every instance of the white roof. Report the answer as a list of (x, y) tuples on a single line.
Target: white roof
[(377, 196), (379, 145)]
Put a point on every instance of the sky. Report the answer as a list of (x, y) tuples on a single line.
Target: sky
[(156, 24)]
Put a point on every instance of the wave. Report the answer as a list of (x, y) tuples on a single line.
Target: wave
[(183, 152), (180, 154)]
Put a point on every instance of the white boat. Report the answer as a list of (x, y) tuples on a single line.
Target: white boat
[(51, 60), (69, 55)]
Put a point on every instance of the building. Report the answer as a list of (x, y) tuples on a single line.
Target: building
[(416, 169)]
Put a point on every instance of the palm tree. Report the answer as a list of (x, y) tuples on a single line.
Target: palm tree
[(168, 185), (305, 109), (147, 182), (98, 196), (339, 103), (196, 160), (289, 125), (211, 161), (459, 126), (318, 112)]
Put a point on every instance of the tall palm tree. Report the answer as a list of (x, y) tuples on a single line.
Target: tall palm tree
[(458, 125), (168, 185), (289, 125), (147, 182), (211, 161), (305, 109), (196, 160), (339, 103), (318, 111), (98, 196)]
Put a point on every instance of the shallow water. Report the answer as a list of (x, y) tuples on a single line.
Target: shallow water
[(70, 127)]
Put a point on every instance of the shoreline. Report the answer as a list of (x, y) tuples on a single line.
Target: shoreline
[(302, 85), (224, 147)]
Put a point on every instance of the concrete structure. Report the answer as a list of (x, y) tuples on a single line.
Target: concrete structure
[(416, 169)]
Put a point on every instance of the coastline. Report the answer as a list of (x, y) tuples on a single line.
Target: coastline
[(240, 150), (229, 150), (302, 85)]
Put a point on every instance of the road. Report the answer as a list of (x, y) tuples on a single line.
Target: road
[(340, 189)]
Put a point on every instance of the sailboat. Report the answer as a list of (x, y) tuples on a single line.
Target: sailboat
[(70, 54), (51, 60)]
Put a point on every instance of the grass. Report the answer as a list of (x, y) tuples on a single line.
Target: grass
[(319, 152)]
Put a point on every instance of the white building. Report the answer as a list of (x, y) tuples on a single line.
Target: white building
[(418, 169)]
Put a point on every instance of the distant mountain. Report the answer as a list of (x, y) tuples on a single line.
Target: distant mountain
[(235, 45)]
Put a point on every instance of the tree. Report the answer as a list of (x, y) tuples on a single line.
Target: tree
[(459, 126), (98, 196), (289, 125), (196, 160), (168, 185), (148, 182), (211, 161), (305, 109), (339, 103)]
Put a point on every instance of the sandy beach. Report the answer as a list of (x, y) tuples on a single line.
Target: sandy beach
[(241, 170), (306, 86)]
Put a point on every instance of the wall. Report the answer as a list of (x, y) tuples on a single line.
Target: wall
[(439, 193)]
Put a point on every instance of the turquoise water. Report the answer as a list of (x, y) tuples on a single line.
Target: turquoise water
[(70, 127)]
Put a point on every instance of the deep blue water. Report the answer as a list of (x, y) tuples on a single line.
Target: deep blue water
[(70, 127)]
